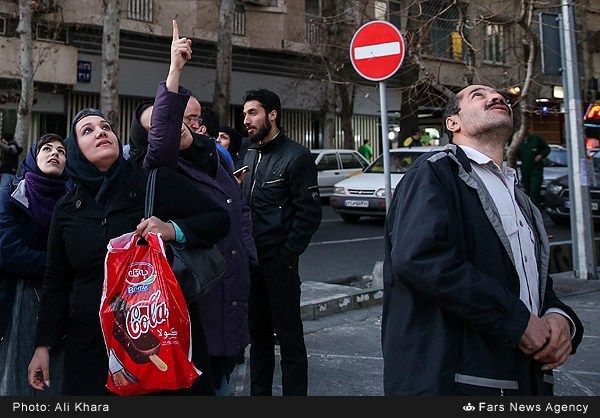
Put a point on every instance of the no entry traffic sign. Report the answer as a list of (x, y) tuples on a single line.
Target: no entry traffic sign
[(377, 50)]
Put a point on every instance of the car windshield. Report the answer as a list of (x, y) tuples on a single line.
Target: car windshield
[(400, 162), (556, 158), (315, 155)]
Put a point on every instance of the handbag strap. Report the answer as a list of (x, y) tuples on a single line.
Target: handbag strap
[(150, 187)]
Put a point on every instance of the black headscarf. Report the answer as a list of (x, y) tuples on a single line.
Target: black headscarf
[(98, 183), (235, 140)]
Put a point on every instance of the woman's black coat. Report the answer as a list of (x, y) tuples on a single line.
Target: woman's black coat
[(79, 234)]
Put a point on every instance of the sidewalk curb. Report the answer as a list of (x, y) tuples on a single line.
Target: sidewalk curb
[(341, 302), (337, 298)]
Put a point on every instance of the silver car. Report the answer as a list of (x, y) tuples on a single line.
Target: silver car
[(364, 195), (334, 165)]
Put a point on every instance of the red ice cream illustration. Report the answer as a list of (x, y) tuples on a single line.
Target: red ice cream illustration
[(142, 349)]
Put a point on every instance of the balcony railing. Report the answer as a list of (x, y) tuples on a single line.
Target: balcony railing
[(314, 33), (140, 10), (239, 21)]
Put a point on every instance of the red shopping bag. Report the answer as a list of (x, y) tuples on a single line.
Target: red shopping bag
[(144, 319)]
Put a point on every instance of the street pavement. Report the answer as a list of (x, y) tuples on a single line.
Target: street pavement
[(340, 252), (344, 348)]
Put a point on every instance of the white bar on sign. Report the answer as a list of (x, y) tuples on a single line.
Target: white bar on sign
[(377, 50)]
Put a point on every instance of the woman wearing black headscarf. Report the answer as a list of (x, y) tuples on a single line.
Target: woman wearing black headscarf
[(25, 211), (231, 140), (108, 201)]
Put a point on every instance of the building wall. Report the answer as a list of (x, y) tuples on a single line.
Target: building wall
[(277, 30), (52, 62), (140, 78)]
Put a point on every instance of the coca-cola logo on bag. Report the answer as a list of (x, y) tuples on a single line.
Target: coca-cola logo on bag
[(140, 276), (145, 315)]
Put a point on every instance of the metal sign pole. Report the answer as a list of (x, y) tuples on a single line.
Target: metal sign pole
[(386, 145), (580, 172)]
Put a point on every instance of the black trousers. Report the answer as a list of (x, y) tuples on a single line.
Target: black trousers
[(275, 307)]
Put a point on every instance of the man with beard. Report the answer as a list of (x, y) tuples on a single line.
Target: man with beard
[(282, 192), (469, 307)]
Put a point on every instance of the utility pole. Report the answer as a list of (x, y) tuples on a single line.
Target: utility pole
[(581, 174)]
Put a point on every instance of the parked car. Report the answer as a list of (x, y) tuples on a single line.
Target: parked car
[(557, 198), (334, 165), (364, 194), (555, 165)]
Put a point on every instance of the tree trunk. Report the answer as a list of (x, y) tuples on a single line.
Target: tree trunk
[(329, 112), (24, 109), (346, 92), (330, 27), (109, 91), (524, 22), (222, 93)]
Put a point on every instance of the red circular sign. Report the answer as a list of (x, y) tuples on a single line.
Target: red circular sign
[(377, 50)]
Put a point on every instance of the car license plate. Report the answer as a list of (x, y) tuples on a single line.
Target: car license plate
[(593, 204), (357, 203)]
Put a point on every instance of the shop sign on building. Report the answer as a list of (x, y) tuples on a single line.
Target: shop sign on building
[(84, 71)]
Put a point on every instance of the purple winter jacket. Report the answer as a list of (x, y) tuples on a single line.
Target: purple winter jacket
[(224, 309)]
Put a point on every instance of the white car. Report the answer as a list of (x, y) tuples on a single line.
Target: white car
[(364, 194), (334, 165)]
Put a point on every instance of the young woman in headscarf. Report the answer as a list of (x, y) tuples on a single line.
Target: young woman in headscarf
[(25, 212), (231, 140), (224, 309), (108, 201)]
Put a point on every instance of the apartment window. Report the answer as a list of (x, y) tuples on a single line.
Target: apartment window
[(493, 43), (312, 7), (381, 10), (8, 25), (445, 37), (312, 10), (239, 19), (140, 10), (50, 32), (267, 3), (395, 12)]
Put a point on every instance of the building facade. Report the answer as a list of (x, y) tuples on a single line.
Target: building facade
[(280, 45)]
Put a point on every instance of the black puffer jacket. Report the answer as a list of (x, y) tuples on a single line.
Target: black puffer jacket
[(281, 189)]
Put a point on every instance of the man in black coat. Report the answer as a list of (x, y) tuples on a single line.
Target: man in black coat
[(469, 307), (282, 192)]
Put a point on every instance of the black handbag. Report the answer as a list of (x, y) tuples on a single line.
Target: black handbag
[(197, 269)]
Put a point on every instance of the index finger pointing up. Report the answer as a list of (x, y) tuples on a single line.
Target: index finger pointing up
[(175, 30)]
